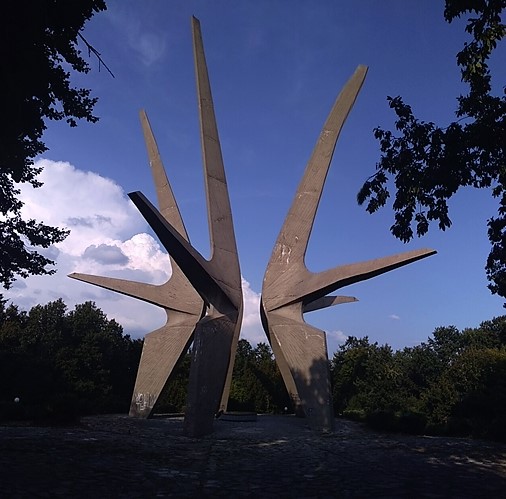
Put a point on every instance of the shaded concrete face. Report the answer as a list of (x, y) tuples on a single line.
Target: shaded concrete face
[(203, 298), (290, 289)]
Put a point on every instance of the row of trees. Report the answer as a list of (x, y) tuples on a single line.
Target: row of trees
[(62, 363), (455, 383), (57, 364)]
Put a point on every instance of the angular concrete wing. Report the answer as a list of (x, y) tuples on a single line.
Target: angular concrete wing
[(290, 289), (164, 347), (325, 302), (218, 280)]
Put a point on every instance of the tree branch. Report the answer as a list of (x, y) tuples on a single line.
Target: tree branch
[(93, 50)]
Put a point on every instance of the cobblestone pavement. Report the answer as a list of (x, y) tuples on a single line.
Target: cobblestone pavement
[(276, 456)]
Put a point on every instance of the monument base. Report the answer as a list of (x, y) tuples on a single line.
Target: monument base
[(238, 416)]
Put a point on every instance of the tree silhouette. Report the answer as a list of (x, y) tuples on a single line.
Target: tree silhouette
[(428, 163), (61, 364), (38, 47)]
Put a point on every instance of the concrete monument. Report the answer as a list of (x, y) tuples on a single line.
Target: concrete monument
[(215, 282), (203, 298), (290, 289)]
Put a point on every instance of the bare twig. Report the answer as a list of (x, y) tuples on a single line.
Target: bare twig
[(93, 50)]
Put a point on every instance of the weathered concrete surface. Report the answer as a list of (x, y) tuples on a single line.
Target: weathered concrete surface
[(275, 457), (290, 289)]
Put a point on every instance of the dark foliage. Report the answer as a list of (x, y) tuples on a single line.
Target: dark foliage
[(428, 163), (62, 364), (38, 49), (173, 396), (454, 384), (256, 383)]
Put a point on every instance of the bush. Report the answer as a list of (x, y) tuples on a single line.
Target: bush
[(12, 411), (59, 409), (497, 429), (382, 420), (240, 406), (459, 427), (412, 422), (354, 415)]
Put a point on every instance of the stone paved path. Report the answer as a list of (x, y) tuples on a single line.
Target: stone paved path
[(277, 456)]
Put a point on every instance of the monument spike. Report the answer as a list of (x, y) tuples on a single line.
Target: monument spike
[(166, 200), (345, 275), (160, 295), (325, 302), (317, 285), (283, 365), (299, 221), (221, 228), (284, 368), (205, 277)]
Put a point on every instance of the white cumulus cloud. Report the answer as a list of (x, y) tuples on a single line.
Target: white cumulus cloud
[(107, 237), (251, 324)]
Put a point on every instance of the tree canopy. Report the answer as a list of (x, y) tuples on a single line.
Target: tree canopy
[(56, 365), (428, 163), (451, 384), (61, 363), (39, 49)]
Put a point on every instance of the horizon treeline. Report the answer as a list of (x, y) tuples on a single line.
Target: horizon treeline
[(453, 384), (62, 364)]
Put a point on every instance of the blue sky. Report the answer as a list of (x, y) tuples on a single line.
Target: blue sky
[(275, 69)]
